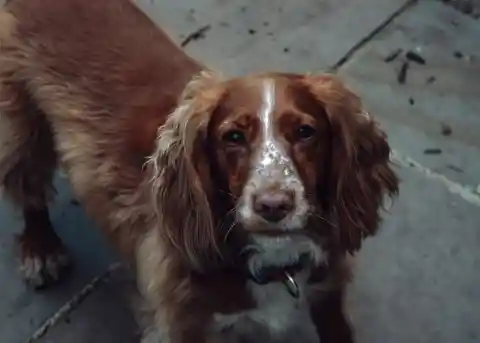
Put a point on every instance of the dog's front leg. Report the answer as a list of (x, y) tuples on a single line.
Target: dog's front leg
[(327, 302), (330, 319), (155, 335), (240, 328)]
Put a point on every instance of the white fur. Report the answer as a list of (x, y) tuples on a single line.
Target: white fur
[(278, 316), (38, 271), (272, 166), (281, 316)]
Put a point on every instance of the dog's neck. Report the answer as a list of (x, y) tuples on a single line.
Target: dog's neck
[(280, 259)]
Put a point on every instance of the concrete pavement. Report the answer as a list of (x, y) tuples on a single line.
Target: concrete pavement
[(418, 280)]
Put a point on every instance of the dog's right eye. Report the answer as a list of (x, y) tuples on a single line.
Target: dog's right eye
[(234, 137)]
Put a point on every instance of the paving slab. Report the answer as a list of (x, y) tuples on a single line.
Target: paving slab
[(418, 281), (416, 112), (249, 35), (22, 310), (104, 316)]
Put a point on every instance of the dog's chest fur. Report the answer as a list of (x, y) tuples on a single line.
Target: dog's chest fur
[(278, 317)]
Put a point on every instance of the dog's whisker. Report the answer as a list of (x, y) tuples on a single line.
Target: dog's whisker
[(231, 195), (318, 215), (235, 222)]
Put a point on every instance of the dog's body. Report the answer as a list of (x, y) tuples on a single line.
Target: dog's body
[(98, 79), (87, 85)]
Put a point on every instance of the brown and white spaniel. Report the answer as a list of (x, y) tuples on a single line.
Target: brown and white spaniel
[(237, 200)]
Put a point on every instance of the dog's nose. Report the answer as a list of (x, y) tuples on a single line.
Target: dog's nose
[(273, 206)]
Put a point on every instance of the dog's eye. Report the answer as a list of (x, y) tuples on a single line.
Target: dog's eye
[(305, 132), (235, 137)]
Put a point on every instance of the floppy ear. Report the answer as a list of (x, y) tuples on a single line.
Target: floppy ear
[(360, 172), (181, 183)]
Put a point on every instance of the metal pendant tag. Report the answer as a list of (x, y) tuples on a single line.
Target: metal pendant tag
[(291, 285)]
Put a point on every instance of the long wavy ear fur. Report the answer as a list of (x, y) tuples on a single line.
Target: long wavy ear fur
[(181, 184), (360, 170)]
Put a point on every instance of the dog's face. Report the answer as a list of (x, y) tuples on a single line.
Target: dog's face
[(274, 154), (271, 144)]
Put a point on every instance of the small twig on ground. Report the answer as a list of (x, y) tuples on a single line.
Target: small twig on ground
[(415, 57), (200, 33), (402, 74), (393, 55)]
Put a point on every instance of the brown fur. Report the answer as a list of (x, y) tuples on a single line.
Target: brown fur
[(360, 173), (92, 96), (104, 90)]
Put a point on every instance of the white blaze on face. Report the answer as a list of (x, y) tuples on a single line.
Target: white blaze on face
[(272, 160), (270, 149), (272, 166)]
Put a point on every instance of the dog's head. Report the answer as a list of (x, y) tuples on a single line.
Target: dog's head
[(269, 154)]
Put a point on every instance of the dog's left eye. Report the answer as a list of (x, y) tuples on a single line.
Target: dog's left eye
[(235, 137), (305, 132)]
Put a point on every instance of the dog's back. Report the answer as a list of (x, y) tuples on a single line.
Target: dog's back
[(86, 83)]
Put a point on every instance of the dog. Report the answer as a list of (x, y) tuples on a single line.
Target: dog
[(237, 200)]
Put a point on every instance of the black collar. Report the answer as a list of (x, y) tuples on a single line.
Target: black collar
[(285, 274)]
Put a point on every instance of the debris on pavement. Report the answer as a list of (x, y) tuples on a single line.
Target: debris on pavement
[(196, 35), (252, 31), (468, 7), (432, 151), (455, 168), (446, 129), (458, 54), (393, 55), (402, 74), (415, 57), (411, 101), (431, 79), (410, 56)]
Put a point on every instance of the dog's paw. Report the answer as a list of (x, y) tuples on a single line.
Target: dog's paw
[(40, 266)]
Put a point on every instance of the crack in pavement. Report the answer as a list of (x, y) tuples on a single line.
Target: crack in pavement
[(73, 303), (454, 187), (405, 161), (365, 40)]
